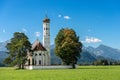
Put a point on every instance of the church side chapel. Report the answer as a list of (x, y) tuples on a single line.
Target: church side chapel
[(39, 55)]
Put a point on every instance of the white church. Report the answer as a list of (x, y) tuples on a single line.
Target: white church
[(39, 55)]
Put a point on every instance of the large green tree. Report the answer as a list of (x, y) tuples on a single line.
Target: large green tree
[(17, 50), (68, 46)]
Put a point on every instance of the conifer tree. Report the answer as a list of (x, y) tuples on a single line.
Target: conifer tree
[(17, 50)]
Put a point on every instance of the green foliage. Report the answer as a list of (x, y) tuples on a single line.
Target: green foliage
[(101, 62), (17, 50), (115, 63), (67, 46), (82, 73)]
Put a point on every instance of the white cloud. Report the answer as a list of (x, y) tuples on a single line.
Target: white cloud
[(92, 40), (37, 34), (4, 31), (24, 30), (66, 17), (59, 15)]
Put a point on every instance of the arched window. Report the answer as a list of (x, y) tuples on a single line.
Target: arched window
[(28, 61), (35, 54), (40, 62), (32, 61), (39, 54)]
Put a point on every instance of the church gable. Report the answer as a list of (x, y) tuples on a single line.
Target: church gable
[(37, 46), (39, 55)]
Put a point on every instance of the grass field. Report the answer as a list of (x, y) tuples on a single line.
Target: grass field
[(82, 73)]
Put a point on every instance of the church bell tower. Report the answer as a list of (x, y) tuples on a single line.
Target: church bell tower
[(46, 35)]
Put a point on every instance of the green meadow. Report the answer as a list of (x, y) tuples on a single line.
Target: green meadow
[(81, 73)]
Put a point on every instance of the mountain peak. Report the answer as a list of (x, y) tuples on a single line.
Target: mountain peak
[(105, 51), (3, 45), (102, 46)]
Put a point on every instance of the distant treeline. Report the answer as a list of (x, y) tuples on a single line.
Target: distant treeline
[(102, 62)]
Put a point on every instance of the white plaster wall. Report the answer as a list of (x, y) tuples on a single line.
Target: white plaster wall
[(46, 39), (48, 67), (44, 57)]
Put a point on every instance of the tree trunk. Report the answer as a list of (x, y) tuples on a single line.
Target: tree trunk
[(22, 66), (19, 66), (73, 66)]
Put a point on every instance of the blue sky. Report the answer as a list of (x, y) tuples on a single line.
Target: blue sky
[(95, 21)]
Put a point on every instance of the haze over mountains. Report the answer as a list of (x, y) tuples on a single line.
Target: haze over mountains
[(2, 46), (88, 55), (3, 51), (105, 51)]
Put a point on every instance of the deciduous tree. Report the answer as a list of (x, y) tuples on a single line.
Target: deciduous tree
[(68, 46)]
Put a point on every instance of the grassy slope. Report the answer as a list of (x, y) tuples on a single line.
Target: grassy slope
[(82, 73)]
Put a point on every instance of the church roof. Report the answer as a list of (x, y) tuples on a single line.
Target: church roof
[(38, 46), (46, 20)]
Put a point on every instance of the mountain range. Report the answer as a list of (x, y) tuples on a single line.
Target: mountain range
[(88, 55), (101, 52), (3, 51), (104, 51), (3, 45)]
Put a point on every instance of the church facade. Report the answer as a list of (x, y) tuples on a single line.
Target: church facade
[(39, 55)]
